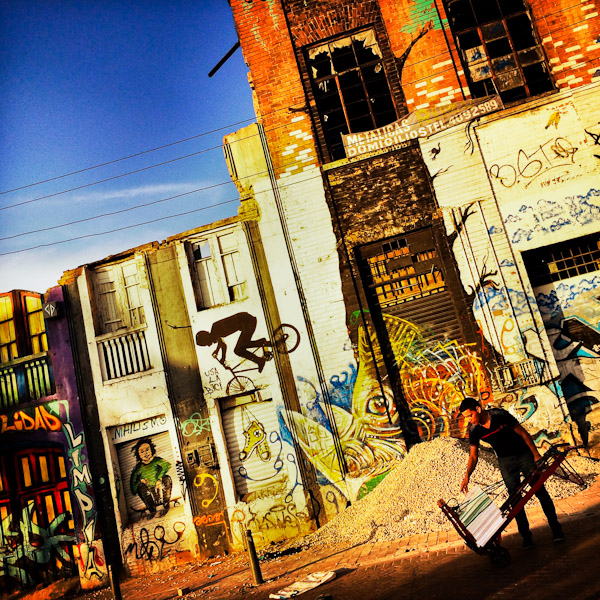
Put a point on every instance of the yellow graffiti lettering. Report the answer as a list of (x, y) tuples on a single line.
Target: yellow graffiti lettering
[(25, 421), (41, 419)]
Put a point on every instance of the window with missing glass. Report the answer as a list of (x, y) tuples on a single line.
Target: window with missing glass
[(499, 48), (350, 87), (564, 260)]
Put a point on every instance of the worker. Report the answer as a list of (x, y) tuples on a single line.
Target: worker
[(517, 455)]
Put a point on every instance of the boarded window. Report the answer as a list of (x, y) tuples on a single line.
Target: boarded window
[(8, 337), (117, 295), (204, 272), (499, 48), (351, 88), (35, 324), (230, 255)]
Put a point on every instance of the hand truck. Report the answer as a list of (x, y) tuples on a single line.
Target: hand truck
[(553, 462)]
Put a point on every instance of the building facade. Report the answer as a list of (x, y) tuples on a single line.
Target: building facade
[(435, 166), (49, 516)]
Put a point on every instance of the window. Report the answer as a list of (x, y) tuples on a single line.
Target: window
[(118, 297), (204, 279), (499, 49), (231, 264), (8, 337), (218, 278), (404, 269), (564, 260), (350, 88), (22, 327), (35, 324)]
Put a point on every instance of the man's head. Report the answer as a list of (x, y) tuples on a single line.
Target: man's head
[(470, 408), (203, 338)]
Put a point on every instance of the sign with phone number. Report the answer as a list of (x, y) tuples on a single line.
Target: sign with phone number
[(420, 124)]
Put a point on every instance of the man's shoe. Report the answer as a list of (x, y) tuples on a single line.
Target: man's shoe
[(557, 534), (528, 543)]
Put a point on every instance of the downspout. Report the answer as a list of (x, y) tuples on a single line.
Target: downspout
[(305, 313), (557, 391)]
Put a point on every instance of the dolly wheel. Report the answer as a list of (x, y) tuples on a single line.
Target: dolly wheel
[(500, 556)]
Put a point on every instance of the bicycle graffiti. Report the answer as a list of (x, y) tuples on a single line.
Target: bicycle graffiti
[(286, 339)]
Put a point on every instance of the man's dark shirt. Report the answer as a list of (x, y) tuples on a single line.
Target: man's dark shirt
[(501, 435)]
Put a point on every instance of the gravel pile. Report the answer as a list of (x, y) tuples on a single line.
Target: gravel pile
[(405, 502)]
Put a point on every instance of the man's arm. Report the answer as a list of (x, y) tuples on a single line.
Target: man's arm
[(473, 458), (520, 430), (220, 351)]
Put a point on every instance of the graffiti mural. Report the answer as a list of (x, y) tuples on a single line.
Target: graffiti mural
[(435, 378), (156, 543), (148, 470), (92, 565), (32, 551), (286, 338), (47, 506)]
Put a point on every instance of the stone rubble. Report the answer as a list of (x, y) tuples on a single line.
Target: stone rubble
[(405, 502)]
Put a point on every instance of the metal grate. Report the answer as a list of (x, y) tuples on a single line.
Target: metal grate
[(519, 375), (124, 355)]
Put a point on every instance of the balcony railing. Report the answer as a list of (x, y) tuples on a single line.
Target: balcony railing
[(519, 375), (124, 354), (26, 379)]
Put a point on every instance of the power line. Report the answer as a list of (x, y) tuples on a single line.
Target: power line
[(303, 181), (116, 160), (37, 199), (89, 235)]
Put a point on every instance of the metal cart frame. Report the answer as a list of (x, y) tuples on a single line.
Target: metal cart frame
[(551, 463)]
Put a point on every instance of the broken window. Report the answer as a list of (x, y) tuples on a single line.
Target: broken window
[(217, 281), (350, 86), (499, 49)]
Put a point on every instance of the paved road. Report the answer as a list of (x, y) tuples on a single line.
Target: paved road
[(424, 567)]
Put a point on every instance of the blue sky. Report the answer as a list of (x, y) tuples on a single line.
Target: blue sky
[(89, 82)]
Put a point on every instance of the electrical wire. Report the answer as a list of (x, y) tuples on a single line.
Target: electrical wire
[(96, 234), (116, 160)]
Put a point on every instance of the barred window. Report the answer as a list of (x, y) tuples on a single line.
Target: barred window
[(564, 260)]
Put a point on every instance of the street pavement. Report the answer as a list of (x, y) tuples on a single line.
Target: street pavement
[(424, 567)]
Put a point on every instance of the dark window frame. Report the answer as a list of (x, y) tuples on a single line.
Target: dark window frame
[(563, 260), (499, 38)]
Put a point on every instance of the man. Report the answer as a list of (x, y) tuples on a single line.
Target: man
[(243, 322), (517, 454)]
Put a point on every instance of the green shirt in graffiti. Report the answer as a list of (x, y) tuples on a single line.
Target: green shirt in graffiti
[(152, 472)]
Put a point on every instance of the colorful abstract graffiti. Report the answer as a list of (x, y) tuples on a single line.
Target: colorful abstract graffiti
[(47, 508), (435, 377)]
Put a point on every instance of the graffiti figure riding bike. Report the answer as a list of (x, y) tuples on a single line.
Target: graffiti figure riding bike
[(285, 339)]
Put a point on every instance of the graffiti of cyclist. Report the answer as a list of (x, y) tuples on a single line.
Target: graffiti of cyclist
[(243, 322)]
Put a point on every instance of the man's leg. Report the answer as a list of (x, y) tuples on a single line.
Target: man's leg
[(510, 470), (527, 466), (245, 341)]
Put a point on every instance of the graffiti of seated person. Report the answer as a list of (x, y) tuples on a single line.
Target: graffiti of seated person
[(243, 322), (149, 479)]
